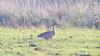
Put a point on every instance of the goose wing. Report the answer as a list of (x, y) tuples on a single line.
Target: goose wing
[(46, 34)]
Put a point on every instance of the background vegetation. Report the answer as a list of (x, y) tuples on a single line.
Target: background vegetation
[(27, 13)]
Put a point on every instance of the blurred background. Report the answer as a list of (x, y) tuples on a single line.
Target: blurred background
[(39, 13)]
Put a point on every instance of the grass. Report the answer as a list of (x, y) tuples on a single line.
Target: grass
[(67, 42)]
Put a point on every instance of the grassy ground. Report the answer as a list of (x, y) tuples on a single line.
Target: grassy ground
[(67, 42)]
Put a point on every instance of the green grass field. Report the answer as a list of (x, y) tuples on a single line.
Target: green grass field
[(67, 42)]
